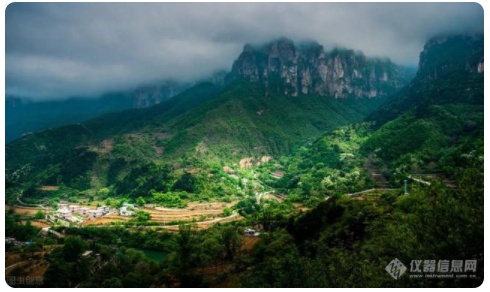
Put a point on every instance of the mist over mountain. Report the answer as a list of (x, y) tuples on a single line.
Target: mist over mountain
[(172, 145), (85, 49), (279, 66), (25, 116), (307, 68)]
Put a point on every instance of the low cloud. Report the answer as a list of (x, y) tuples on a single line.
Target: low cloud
[(58, 50)]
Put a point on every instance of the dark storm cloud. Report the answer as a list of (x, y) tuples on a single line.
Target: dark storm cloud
[(59, 49)]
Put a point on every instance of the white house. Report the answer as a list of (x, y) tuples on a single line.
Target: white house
[(62, 205), (94, 213), (126, 209), (104, 209), (65, 214), (74, 208), (99, 213), (128, 205), (83, 210), (251, 232)]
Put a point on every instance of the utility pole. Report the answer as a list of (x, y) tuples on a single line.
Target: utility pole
[(406, 192)]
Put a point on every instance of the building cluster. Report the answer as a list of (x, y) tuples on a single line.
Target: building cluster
[(78, 214), (75, 213)]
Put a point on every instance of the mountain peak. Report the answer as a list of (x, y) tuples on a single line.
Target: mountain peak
[(447, 53), (307, 69)]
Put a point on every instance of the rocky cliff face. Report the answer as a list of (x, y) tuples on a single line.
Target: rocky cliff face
[(308, 69), (445, 54), (146, 96)]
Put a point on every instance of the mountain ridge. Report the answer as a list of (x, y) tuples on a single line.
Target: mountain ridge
[(308, 69), (443, 58)]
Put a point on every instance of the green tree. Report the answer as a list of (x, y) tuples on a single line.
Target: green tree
[(103, 192), (185, 183), (231, 241), (227, 212), (142, 216), (184, 258), (140, 201), (210, 252), (74, 246), (39, 214)]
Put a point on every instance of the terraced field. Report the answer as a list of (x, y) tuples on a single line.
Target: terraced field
[(203, 214), (193, 212), (108, 219)]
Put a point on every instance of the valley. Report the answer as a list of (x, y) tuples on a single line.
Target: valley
[(307, 168)]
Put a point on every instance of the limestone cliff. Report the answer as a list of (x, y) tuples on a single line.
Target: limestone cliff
[(309, 69)]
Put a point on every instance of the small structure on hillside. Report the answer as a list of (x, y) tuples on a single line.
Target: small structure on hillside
[(94, 213), (251, 232), (74, 208), (126, 209), (62, 205), (104, 209), (83, 210), (65, 214)]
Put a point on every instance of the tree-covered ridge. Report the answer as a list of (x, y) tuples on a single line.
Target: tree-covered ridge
[(348, 242), (207, 124), (450, 71), (332, 165)]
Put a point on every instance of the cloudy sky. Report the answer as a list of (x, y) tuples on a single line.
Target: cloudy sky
[(59, 50)]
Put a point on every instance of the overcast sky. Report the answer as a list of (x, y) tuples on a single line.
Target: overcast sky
[(59, 50)]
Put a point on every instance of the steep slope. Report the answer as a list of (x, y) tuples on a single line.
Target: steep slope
[(437, 127), (308, 69), (236, 123), (440, 114), (24, 116), (240, 125), (436, 130), (35, 153), (242, 121), (448, 73)]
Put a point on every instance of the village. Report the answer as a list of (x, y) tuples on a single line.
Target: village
[(71, 214), (66, 214)]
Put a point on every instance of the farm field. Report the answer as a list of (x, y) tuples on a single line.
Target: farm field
[(204, 214)]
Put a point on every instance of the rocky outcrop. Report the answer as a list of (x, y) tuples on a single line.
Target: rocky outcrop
[(445, 54), (308, 69), (146, 96)]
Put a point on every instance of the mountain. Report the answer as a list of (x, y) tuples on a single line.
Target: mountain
[(429, 137), (280, 65), (241, 124), (24, 116), (432, 126), (445, 54), (440, 113), (308, 69), (322, 176), (450, 71)]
